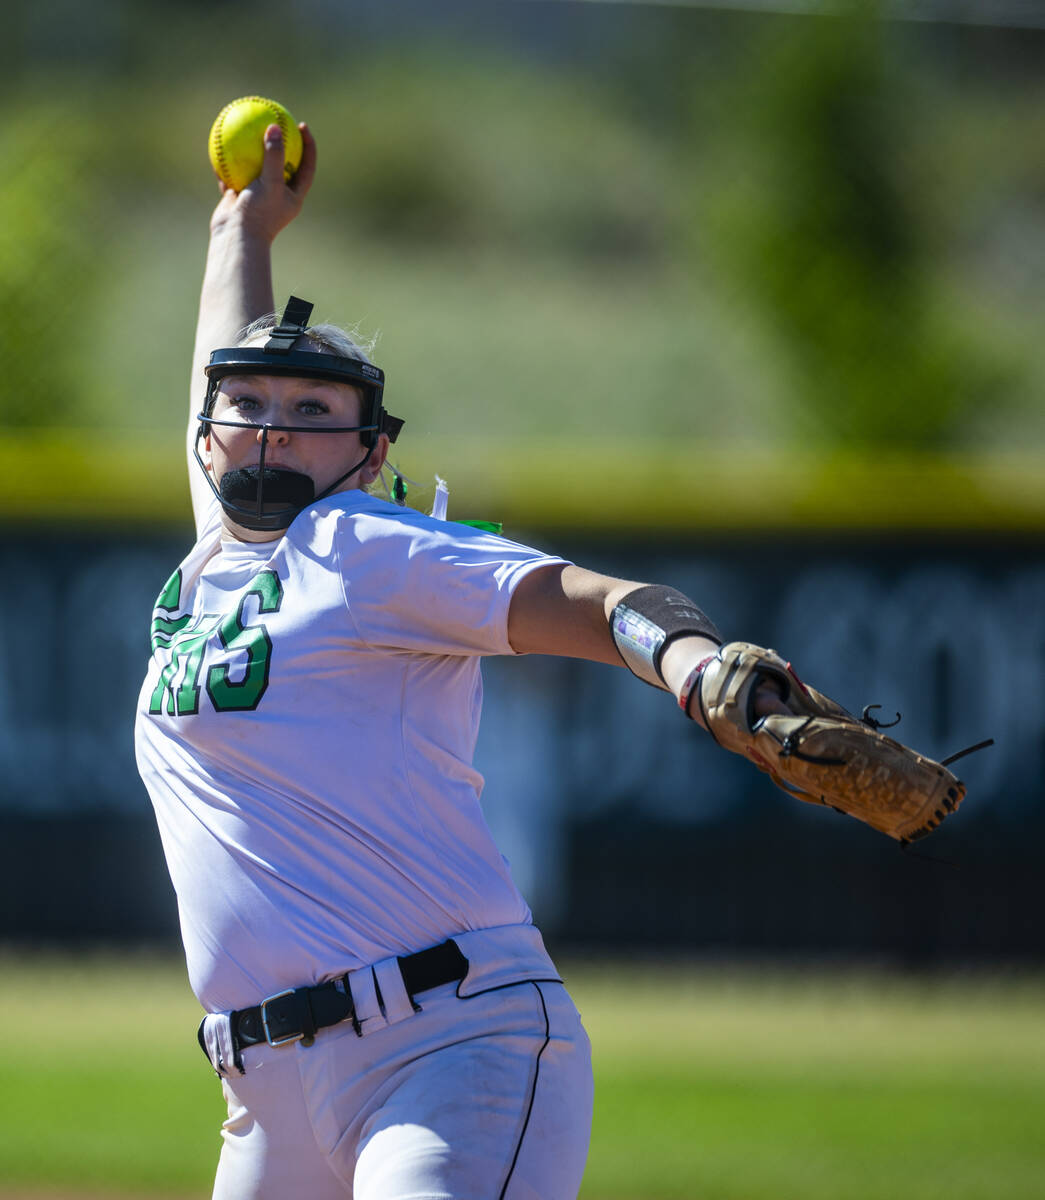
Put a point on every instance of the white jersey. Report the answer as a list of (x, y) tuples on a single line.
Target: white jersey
[(306, 731)]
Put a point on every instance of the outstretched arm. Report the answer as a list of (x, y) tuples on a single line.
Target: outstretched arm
[(566, 611), (749, 698), (237, 281)]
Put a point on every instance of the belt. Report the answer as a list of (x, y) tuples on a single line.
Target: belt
[(296, 1014)]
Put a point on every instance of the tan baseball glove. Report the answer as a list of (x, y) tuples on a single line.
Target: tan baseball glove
[(822, 753)]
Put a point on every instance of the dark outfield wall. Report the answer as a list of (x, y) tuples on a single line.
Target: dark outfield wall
[(625, 826)]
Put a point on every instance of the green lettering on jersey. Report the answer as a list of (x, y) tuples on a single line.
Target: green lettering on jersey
[(169, 601), (254, 639), (186, 659), (178, 687)]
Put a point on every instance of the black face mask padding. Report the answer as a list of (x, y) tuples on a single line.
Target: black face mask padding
[(275, 485)]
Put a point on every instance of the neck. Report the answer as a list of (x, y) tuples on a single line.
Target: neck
[(230, 530)]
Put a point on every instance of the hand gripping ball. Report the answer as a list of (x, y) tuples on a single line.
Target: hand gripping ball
[(237, 140)]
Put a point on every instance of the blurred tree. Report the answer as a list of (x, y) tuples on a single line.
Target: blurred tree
[(820, 224), (50, 227)]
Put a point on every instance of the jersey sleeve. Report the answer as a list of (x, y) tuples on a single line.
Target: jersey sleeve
[(208, 518), (419, 584)]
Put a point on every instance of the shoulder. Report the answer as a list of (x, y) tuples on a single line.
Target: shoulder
[(207, 544), (361, 520), (416, 582), (208, 520)]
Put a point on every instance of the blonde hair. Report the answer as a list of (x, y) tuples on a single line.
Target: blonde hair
[(329, 339)]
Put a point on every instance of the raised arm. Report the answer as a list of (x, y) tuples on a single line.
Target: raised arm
[(237, 281)]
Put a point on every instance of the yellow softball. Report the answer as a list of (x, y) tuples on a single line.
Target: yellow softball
[(237, 140)]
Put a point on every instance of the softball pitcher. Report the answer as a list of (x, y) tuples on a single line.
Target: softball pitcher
[(381, 1010)]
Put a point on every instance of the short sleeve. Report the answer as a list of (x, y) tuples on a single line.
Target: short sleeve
[(208, 523), (415, 583)]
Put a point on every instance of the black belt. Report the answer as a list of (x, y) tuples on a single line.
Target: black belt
[(296, 1014)]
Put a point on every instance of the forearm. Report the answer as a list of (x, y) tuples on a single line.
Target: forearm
[(567, 611), (563, 611), (237, 289), (237, 280)]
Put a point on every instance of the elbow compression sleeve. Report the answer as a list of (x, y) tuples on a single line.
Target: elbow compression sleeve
[(647, 620)]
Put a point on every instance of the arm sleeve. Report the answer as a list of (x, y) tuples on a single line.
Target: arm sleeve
[(207, 513), (415, 583)]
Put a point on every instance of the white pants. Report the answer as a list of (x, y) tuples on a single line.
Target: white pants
[(484, 1094)]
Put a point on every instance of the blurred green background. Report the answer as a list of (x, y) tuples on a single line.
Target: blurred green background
[(601, 244), (633, 267)]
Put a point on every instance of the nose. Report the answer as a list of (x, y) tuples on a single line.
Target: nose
[(273, 437)]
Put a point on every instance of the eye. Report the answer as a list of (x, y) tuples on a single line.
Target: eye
[(243, 403), (312, 408)]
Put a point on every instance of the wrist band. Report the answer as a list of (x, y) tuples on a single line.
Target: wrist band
[(692, 683)]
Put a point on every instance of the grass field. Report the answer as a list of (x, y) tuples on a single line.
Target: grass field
[(727, 1083)]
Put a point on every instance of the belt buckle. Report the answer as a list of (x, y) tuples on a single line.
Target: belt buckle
[(281, 1041)]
